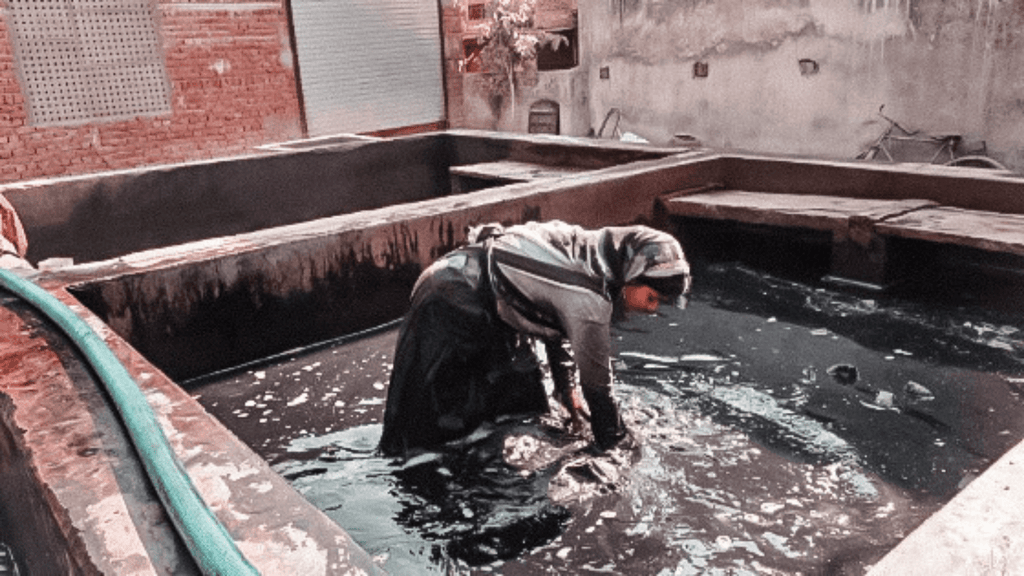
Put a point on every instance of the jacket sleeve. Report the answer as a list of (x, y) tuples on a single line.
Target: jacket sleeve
[(563, 369), (590, 341), (590, 344)]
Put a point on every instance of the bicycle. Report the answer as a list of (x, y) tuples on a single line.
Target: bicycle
[(898, 144)]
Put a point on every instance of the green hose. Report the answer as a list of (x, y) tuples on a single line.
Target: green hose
[(206, 538)]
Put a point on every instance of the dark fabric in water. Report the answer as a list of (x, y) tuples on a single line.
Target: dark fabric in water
[(456, 363)]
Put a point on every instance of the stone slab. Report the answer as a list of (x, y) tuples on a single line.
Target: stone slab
[(790, 210), (989, 231)]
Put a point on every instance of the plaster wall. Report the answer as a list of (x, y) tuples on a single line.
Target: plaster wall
[(938, 66), (566, 87), (470, 103)]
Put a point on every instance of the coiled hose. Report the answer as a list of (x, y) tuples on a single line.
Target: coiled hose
[(206, 538)]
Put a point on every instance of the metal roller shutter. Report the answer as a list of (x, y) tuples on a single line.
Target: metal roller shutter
[(368, 65)]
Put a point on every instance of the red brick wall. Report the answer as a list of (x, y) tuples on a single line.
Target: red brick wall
[(452, 19), (229, 64)]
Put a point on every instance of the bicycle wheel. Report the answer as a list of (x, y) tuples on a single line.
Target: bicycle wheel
[(976, 162)]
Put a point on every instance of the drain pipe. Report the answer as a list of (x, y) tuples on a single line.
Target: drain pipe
[(206, 538)]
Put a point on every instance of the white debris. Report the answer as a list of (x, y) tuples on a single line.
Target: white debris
[(918, 391)]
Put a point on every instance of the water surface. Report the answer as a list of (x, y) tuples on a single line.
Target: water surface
[(781, 427)]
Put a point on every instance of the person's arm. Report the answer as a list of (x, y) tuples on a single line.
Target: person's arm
[(563, 373), (591, 346)]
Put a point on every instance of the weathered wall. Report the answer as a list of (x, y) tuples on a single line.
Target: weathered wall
[(106, 215), (470, 100), (100, 216), (229, 64), (198, 308), (951, 66), (77, 495)]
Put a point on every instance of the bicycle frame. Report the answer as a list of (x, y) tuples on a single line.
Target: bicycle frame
[(945, 144)]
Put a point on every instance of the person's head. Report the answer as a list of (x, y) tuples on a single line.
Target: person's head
[(645, 294), (658, 274)]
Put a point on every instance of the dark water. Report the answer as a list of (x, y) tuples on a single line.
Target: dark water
[(782, 428)]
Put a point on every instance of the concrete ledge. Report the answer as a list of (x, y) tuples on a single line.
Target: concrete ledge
[(860, 227), (860, 256), (74, 450), (989, 231), (508, 170), (798, 210), (981, 531)]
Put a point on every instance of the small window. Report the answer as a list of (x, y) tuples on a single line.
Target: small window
[(471, 48), (561, 55), (476, 11)]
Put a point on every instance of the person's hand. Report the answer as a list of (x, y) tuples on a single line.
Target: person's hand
[(577, 413), (576, 425)]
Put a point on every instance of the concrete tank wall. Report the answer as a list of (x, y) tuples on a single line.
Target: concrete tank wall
[(106, 215), (939, 66), (202, 307)]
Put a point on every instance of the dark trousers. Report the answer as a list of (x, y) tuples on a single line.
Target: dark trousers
[(456, 363)]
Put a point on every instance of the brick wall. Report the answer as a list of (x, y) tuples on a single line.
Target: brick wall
[(453, 14), (229, 64)]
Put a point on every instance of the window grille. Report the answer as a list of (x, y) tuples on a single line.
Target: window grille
[(89, 60)]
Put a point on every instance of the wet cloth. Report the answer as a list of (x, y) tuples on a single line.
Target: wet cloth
[(12, 233), (460, 358), (456, 363), (13, 242)]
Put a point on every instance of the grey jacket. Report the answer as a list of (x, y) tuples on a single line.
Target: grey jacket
[(555, 280)]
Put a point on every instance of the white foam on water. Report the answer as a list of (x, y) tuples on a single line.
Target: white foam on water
[(673, 359)]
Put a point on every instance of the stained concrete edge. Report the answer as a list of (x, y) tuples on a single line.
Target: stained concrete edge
[(980, 531), (88, 476)]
